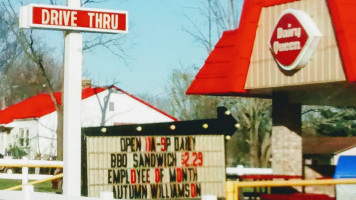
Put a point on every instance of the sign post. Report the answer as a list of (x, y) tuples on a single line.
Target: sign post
[(72, 19), (71, 109), (71, 113)]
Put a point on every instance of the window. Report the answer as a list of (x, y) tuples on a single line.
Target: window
[(111, 106), (24, 137)]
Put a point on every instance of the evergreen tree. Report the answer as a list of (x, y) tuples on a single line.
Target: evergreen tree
[(330, 121)]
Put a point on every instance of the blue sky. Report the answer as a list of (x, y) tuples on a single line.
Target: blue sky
[(155, 45)]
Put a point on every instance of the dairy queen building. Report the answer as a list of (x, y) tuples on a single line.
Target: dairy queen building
[(295, 52)]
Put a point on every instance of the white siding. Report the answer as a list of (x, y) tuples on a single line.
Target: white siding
[(47, 126), (3, 142), (126, 110), (31, 126)]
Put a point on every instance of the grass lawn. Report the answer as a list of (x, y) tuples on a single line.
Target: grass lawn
[(42, 187)]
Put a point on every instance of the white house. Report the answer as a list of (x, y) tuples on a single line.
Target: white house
[(32, 123)]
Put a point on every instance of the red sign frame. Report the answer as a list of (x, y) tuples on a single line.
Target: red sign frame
[(79, 19)]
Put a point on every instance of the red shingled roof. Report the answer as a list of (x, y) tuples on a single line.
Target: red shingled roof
[(38, 106), (42, 104), (225, 70)]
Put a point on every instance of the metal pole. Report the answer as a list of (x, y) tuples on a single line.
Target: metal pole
[(71, 111), (230, 191)]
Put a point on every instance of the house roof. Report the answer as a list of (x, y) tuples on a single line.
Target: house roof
[(225, 70), (327, 145), (41, 104), (147, 104)]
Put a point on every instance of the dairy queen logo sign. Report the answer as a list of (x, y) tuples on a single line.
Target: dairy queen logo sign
[(294, 39)]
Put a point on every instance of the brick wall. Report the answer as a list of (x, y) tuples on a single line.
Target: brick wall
[(286, 151)]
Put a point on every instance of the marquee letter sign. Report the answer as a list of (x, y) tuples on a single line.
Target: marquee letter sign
[(172, 160), (80, 19), (294, 39), (156, 167)]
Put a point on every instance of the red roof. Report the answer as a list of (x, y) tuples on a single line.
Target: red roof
[(225, 70), (344, 19), (38, 106), (42, 104)]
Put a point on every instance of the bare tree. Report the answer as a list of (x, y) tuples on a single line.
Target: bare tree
[(37, 54), (23, 79), (8, 46), (253, 114), (219, 16), (189, 107), (33, 51), (10, 52), (158, 101)]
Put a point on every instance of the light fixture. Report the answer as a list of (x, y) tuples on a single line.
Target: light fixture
[(103, 130), (205, 125)]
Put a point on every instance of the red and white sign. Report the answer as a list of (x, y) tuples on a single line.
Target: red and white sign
[(294, 39), (80, 19)]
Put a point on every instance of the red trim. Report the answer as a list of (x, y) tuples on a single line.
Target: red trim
[(296, 196), (144, 102), (343, 16)]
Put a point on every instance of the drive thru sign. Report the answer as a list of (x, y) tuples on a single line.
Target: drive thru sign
[(72, 19), (80, 19)]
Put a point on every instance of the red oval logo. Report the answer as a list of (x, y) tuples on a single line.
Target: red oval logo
[(291, 41)]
